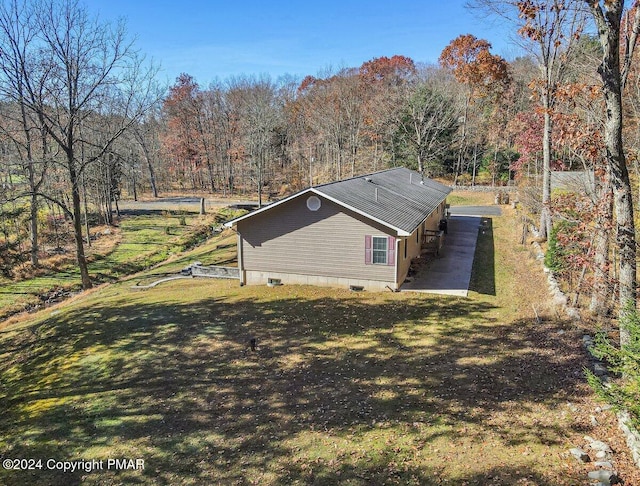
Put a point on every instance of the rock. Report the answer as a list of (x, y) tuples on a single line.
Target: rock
[(601, 455), (598, 445), (580, 454), (599, 369), (594, 421), (603, 464), (606, 477)]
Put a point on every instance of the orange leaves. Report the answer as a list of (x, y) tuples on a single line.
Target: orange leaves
[(569, 92), (391, 70), (472, 63), (527, 10), (530, 32)]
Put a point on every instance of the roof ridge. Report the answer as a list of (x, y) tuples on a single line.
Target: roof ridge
[(364, 176)]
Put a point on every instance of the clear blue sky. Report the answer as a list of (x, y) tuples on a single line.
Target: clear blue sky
[(221, 38)]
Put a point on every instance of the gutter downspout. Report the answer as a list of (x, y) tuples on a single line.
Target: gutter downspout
[(241, 260), (397, 285)]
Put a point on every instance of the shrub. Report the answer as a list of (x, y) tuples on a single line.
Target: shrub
[(565, 249), (553, 257), (624, 392)]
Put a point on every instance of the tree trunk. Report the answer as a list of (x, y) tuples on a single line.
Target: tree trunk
[(152, 173), (545, 211), (77, 224), (610, 72), (463, 141), (601, 244), (33, 222), (86, 211)]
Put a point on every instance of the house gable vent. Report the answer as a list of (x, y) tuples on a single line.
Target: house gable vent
[(313, 203)]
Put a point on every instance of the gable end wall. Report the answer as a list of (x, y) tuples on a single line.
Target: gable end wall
[(290, 240)]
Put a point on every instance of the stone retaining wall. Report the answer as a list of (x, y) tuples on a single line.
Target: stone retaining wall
[(215, 272), (632, 436)]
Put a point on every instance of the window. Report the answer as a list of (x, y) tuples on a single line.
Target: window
[(380, 250), (406, 243)]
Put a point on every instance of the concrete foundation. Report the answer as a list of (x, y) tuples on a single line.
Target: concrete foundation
[(262, 278)]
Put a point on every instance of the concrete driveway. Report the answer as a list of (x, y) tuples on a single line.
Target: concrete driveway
[(450, 273)]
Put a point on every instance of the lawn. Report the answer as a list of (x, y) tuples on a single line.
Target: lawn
[(343, 388), (471, 198), (139, 243)]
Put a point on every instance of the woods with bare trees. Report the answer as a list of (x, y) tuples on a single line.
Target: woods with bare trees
[(76, 85)]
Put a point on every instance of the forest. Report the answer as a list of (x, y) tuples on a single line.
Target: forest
[(84, 123)]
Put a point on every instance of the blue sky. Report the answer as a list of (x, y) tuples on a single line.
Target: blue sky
[(219, 39)]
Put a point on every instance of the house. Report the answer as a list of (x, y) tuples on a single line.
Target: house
[(359, 232)]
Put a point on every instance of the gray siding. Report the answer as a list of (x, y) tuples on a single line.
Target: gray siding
[(329, 242)]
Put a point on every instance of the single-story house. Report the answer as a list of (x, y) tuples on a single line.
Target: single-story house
[(359, 232)]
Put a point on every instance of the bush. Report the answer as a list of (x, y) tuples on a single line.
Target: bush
[(624, 392), (565, 249), (553, 257)]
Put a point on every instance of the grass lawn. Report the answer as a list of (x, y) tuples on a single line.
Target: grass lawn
[(471, 198), (143, 241), (344, 388)]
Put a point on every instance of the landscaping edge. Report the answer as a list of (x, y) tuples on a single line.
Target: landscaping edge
[(631, 435)]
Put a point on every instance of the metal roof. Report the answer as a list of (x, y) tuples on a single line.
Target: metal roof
[(398, 198)]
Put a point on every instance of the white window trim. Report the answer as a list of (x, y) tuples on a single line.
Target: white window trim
[(386, 250)]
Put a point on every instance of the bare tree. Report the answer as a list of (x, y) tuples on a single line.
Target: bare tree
[(17, 38), (260, 114), (426, 121), (78, 71), (549, 30), (145, 134)]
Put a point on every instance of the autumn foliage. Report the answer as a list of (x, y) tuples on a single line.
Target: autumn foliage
[(473, 64)]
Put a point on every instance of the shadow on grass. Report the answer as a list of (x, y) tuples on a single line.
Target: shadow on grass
[(483, 276), (179, 386)]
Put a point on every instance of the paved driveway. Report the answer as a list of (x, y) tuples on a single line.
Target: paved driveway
[(450, 273)]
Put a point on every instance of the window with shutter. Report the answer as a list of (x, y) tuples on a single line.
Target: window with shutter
[(380, 250)]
